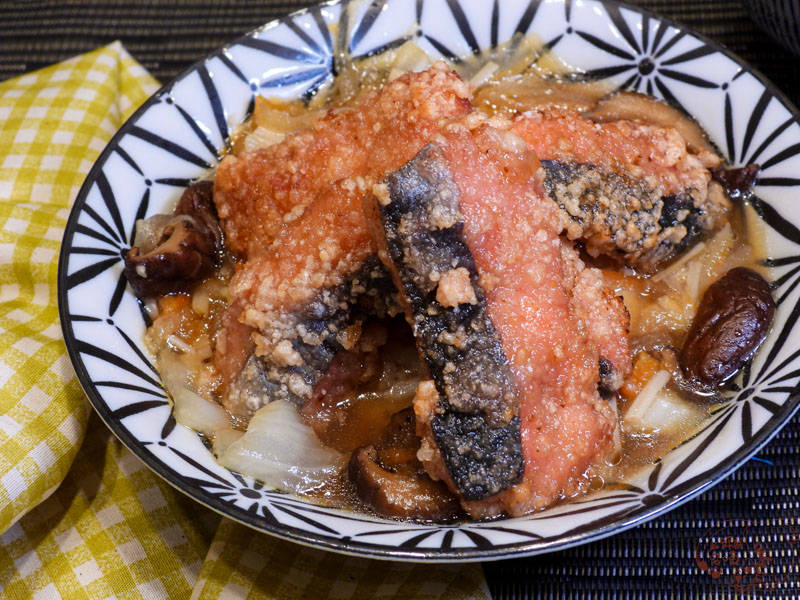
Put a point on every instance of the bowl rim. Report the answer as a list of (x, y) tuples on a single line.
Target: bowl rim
[(351, 546)]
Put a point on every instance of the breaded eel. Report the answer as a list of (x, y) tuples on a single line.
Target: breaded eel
[(487, 267), (256, 192), (632, 190), (475, 428), (296, 305), (304, 296)]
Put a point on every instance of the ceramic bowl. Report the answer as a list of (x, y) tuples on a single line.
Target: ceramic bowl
[(179, 134)]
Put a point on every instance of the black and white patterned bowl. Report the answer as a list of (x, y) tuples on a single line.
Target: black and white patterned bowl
[(178, 134)]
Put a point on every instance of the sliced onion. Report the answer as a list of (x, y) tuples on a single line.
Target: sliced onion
[(411, 57), (670, 414), (679, 264), (224, 438), (484, 74), (693, 273), (615, 455), (189, 408), (261, 137), (641, 404), (657, 408), (281, 451)]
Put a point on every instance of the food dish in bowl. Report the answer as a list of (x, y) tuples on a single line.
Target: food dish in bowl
[(129, 153), (323, 225)]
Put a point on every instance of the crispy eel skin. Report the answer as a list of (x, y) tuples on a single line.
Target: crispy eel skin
[(300, 299), (511, 418), (476, 424), (631, 190)]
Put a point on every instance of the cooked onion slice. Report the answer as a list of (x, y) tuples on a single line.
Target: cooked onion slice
[(509, 96), (261, 137), (670, 414), (281, 451), (189, 408), (615, 455), (224, 438), (638, 409), (657, 408)]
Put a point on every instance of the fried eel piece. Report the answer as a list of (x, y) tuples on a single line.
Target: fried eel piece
[(476, 426), (298, 304), (304, 346), (256, 192), (474, 249), (632, 191), (299, 301)]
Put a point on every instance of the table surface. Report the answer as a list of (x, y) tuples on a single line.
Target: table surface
[(758, 503)]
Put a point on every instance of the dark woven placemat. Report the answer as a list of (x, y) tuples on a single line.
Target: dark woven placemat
[(756, 512)]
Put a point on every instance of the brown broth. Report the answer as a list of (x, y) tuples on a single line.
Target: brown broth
[(641, 449)]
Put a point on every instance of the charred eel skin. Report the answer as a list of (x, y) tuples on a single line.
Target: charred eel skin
[(315, 338), (476, 425), (622, 216)]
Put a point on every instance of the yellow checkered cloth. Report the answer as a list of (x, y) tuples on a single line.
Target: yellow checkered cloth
[(80, 516)]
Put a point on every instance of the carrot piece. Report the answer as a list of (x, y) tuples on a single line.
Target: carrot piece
[(643, 369), (173, 303)]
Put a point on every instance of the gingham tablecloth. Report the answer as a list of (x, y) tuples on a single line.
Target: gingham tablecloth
[(80, 516)]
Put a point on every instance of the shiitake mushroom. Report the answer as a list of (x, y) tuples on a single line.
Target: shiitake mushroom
[(175, 253), (197, 201), (737, 181), (732, 321), (389, 479), (396, 494)]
